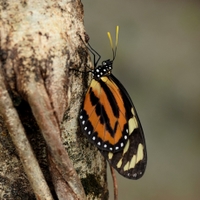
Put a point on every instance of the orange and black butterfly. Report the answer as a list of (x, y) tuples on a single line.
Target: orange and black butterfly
[(110, 121)]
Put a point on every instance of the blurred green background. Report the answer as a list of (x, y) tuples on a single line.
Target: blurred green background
[(158, 62)]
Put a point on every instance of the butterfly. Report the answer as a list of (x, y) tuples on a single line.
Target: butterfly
[(109, 119)]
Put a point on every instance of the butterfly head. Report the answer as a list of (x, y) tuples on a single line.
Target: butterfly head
[(103, 70)]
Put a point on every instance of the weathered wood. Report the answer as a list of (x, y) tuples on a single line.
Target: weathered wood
[(40, 47)]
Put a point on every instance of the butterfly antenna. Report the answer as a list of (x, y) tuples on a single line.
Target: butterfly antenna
[(114, 49)]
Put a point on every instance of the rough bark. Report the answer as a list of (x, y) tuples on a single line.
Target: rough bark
[(40, 95)]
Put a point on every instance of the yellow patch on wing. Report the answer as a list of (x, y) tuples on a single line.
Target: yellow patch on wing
[(119, 164), (135, 159), (140, 153), (132, 123), (110, 155), (126, 167), (132, 162), (126, 147)]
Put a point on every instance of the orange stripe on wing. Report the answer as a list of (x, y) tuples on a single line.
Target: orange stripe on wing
[(87, 106), (122, 119), (99, 92), (113, 140)]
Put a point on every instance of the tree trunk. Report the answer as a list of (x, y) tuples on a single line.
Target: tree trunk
[(41, 89)]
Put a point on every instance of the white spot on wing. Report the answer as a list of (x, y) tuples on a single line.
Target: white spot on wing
[(135, 175)]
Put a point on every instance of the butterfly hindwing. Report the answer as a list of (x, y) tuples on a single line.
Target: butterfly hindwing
[(131, 162)]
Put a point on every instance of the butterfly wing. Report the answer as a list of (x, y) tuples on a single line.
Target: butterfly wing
[(131, 161), (110, 121), (103, 115)]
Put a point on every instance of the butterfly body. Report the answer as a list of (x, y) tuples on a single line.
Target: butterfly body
[(109, 120)]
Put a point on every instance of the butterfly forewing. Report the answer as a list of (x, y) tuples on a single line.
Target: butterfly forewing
[(103, 115)]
